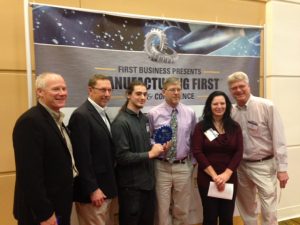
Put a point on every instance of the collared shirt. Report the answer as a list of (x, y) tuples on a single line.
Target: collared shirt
[(58, 118), (262, 130), (102, 113), (186, 119)]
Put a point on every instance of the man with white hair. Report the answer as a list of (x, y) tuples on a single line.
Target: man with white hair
[(265, 154), (44, 160)]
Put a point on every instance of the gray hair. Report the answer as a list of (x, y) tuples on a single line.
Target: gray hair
[(170, 81), (41, 80), (237, 76)]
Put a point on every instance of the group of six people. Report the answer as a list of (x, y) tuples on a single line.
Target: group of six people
[(92, 161)]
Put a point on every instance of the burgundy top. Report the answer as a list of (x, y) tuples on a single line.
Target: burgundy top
[(223, 152)]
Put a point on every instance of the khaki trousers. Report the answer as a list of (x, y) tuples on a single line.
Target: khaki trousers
[(173, 192), (257, 179), (91, 215)]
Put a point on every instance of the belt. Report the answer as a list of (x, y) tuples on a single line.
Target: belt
[(259, 160), (176, 161)]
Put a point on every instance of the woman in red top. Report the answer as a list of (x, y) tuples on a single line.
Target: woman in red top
[(217, 145)]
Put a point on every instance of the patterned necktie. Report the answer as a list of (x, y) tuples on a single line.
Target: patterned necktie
[(171, 155)]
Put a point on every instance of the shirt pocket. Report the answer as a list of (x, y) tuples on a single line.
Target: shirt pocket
[(254, 129)]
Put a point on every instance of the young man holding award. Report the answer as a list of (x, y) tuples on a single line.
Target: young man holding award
[(134, 156), (173, 169)]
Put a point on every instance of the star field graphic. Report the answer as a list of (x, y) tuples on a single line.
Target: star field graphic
[(58, 26), (84, 29)]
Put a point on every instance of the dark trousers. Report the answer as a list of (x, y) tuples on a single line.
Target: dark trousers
[(60, 221), (63, 216), (30, 221), (136, 207), (215, 209)]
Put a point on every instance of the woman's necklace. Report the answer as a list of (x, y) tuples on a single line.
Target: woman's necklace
[(219, 127)]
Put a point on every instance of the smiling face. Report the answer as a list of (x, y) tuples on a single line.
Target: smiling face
[(240, 90), (137, 99), (218, 106), (172, 94), (101, 92), (54, 93)]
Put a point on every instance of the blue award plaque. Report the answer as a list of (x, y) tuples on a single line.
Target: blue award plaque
[(163, 134)]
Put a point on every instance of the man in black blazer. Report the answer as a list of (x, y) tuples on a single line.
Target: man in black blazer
[(93, 151), (43, 156)]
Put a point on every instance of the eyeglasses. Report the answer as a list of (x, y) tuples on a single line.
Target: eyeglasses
[(103, 90), (173, 90), (241, 87)]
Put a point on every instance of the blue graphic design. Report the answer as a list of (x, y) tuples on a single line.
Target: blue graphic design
[(163, 134), (59, 26)]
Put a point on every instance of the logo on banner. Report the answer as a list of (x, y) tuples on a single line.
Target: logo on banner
[(157, 48)]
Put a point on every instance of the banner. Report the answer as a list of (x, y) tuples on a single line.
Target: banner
[(78, 44)]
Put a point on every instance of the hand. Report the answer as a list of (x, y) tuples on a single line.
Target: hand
[(225, 176), (218, 180), (221, 187), (283, 178), (167, 146), (51, 221), (222, 178), (97, 198), (155, 151)]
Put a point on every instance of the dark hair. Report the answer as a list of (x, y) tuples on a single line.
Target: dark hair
[(228, 123), (129, 91), (93, 80)]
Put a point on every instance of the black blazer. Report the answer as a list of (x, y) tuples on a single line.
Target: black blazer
[(44, 176), (93, 153)]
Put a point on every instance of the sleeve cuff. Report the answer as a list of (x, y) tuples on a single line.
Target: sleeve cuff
[(282, 167)]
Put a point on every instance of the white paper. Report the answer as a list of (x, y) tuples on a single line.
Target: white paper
[(227, 193)]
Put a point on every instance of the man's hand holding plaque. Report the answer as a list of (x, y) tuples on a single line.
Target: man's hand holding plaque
[(163, 134)]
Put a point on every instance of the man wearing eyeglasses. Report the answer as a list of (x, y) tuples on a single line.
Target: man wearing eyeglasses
[(173, 170), (95, 187)]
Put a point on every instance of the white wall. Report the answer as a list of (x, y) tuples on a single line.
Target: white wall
[(282, 60)]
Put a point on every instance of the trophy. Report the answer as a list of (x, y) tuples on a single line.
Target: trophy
[(163, 134)]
